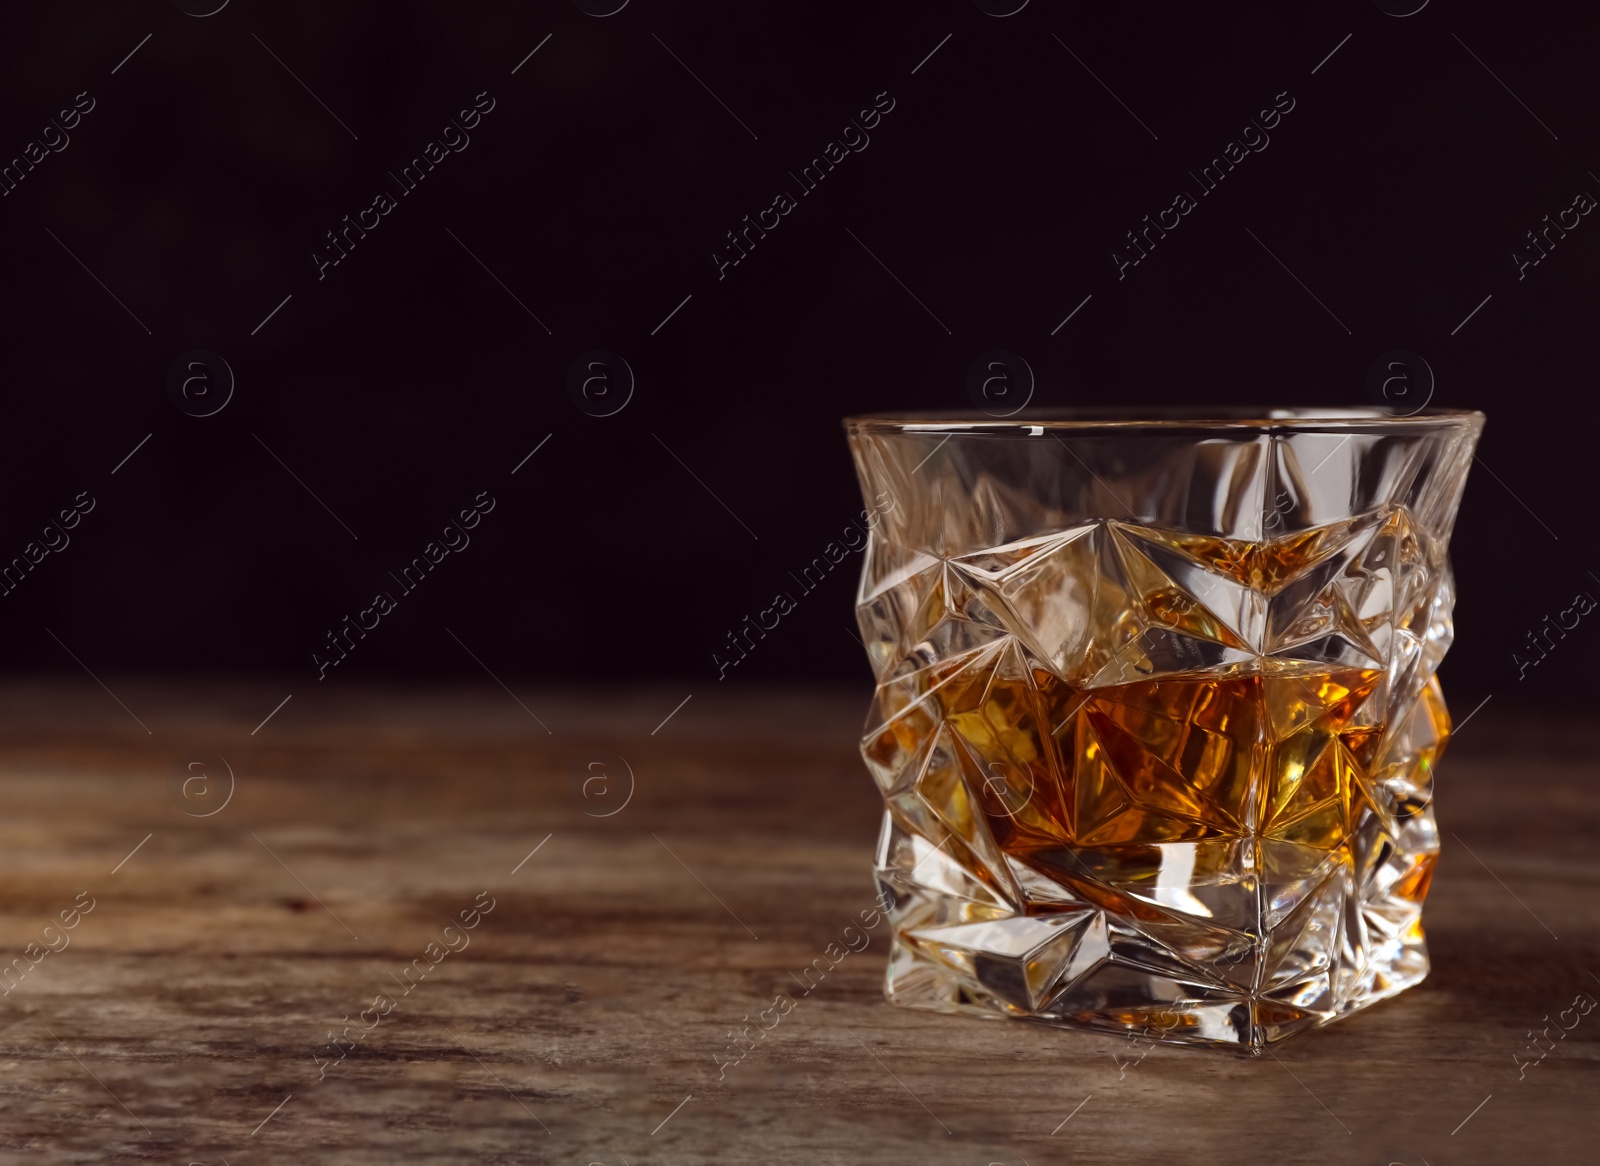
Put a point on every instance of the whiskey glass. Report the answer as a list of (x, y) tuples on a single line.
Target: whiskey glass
[(1156, 715)]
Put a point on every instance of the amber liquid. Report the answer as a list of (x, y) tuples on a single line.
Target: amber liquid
[(1274, 750)]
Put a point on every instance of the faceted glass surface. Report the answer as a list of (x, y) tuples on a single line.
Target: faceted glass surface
[(1156, 715)]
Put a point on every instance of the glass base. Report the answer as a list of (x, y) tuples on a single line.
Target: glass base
[(1152, 981), (1119, 1003)]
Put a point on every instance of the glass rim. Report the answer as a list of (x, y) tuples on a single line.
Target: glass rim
[(1110, 419)]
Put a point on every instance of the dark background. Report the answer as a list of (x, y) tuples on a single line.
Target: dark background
[(408, 380)]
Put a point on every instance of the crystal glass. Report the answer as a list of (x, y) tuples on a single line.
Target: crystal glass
[(1156, 715)]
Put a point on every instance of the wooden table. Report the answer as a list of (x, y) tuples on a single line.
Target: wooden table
[(183, 1017)]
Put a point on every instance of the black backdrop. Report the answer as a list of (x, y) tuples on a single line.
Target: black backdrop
[(587, 204)]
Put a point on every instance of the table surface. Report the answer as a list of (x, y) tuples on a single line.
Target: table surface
[(187, 1016)]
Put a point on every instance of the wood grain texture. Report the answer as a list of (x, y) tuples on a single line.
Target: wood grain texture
[(588, 1004)]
